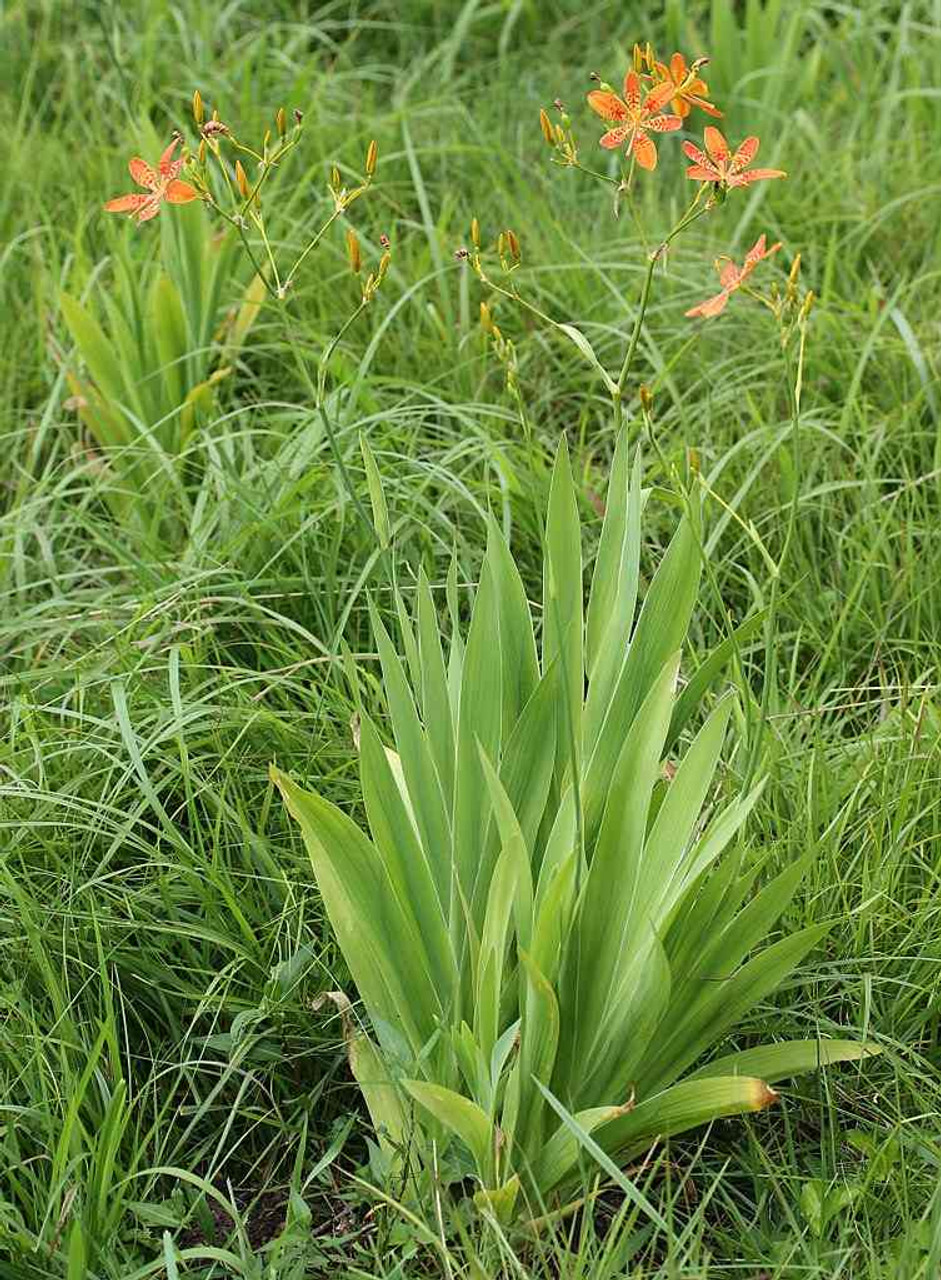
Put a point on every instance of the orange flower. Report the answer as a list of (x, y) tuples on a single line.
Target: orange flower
[(718, 164), (633, 118), (688, 90), (162, 184), (732, 277)]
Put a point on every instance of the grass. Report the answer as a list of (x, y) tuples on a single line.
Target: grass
[(170, 1089)]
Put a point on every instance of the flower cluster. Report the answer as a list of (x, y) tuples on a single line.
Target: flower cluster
[(658, 97)]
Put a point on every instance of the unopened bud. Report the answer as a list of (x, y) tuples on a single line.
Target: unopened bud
[(383, 267), (242, 180), (514, 245), (808, 306), (334, 178), (475, 233), (372, 156), (545, 125), (352, 249), (202, 151), (694, 463), (198, 113), (281, 122), (646, 398), (486, 318), (265, 141)]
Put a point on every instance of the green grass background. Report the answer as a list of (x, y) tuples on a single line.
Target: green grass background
[(163, 1065)]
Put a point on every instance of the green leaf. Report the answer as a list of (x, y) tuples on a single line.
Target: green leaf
[(381, 942), (377, 499), (681, 1107), (773, 1062), (579, 340), (562, 605), (463, 1117), (98, 354)]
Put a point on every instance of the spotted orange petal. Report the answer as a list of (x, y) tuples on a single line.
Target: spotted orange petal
[(757, 251), (681, 107), (700, 173), (632, 91), (664, 124), (169, 167), (711, 307), (698, 157), (614, 137), (149, 210), (730, 276), (181, 192), (126, 204), (645, 153), (607, 105), (716, 145), (659, 96), (755, 175), (142, 173), (745, 154), (708, 107), (678, 68)]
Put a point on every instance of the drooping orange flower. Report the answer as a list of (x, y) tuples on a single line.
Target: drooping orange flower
[(688, 89), (161, 184), (732, 277), (718, 164), (634, 118)]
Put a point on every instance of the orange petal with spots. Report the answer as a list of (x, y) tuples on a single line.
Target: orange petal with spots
[(745, 154), (699, 173), (659, 96), (711, 307), (698, 157), (729, 275), (614, 137), (645, 153), (126, 204), (755, 175), (149, 210), (632, 91), (716, 145), (678, 68), (181, 192), (142, 173), (168, 166), (607, 105), (664, 124)]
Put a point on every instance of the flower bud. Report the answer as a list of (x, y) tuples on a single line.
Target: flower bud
[(545, 125), (242, 180), (334, 178), (513, 245), (809, 301), (383, 267), (646, 398), (372, 156), (352, 249), (281, 122), (486, 319), (202, 151), (198, 113), (475, 233)]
